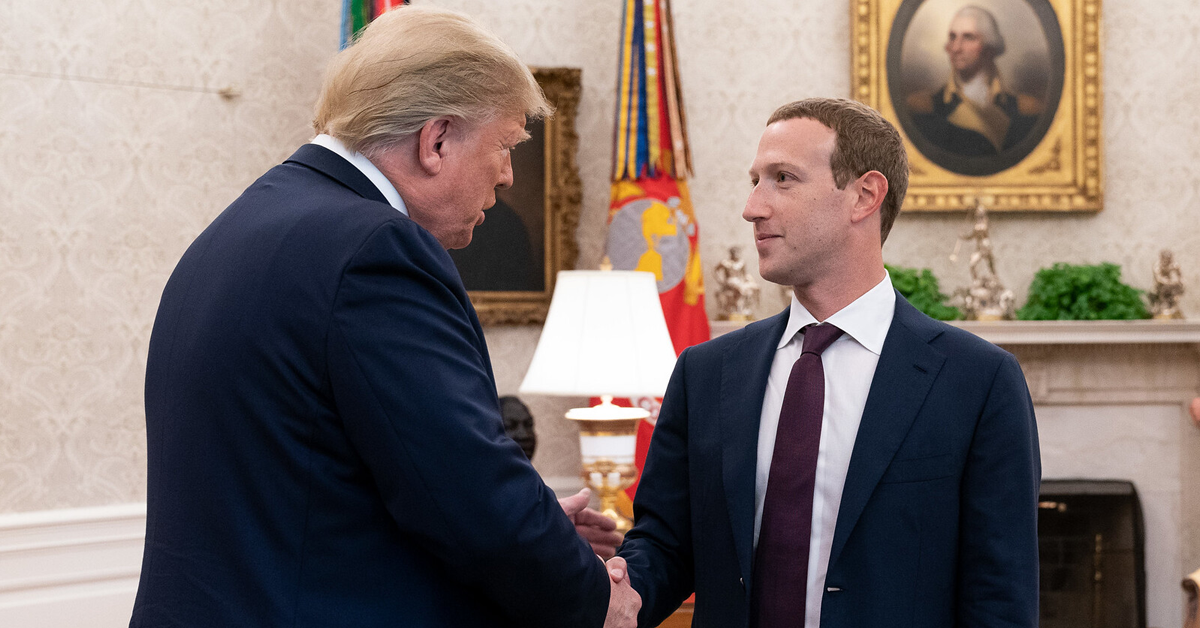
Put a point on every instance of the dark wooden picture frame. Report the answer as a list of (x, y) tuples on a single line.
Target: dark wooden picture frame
[(510, 266)]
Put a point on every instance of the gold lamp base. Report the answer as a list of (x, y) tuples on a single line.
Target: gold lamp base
[(607, 442)]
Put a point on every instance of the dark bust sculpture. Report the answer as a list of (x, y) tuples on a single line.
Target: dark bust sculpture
[(518, 424)]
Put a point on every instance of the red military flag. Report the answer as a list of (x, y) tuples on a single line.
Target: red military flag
[(651, 224), (356, 14)]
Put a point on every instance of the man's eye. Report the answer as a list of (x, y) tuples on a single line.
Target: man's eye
[(781, 177)]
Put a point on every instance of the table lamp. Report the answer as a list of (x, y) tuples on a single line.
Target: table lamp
[(605, 336)]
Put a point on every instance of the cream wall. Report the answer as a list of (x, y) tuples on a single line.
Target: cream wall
[(115, 152)]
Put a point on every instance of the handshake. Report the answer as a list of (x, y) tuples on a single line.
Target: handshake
[(599, 531), (623, 602)]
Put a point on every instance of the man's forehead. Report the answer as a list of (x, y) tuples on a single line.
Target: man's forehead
[(965, 23), (506, 127), (795, 138)]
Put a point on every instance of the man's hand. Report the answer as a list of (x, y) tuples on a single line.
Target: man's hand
[(623, 602), (595, 528)]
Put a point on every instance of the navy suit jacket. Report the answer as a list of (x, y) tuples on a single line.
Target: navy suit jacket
[(938, 518), (324, 438)]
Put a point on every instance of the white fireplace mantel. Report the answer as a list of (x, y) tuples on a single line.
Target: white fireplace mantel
[(1085, 332)]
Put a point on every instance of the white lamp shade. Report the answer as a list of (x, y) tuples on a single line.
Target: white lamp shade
[(604, 335)]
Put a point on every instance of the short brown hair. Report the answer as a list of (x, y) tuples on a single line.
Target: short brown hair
[(865, 142), (414, 64)]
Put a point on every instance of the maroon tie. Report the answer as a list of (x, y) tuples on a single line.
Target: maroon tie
[(781, 560)]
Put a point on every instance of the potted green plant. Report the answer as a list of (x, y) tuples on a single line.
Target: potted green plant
[(1082, 293)]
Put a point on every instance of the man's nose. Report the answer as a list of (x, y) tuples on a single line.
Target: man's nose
[(755, 209), (506, 175)]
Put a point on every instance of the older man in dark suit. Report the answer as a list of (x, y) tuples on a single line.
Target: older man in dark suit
[(849, 462), (325, 442)]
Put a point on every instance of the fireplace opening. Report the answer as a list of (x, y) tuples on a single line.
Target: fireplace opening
[(1091, 540)]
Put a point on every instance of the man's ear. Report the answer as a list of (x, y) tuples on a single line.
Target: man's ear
[(431, 144), (872, 188)]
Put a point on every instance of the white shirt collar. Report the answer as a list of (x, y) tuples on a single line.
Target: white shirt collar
[(866, 320), (360, 161)]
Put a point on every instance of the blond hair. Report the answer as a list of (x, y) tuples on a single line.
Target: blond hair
[(414, 64), (865, 142)]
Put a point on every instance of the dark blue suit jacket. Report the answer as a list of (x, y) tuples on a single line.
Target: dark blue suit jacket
[(938, 519), (325, 443)]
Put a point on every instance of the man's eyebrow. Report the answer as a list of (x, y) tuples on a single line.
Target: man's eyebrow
[(775, 165)]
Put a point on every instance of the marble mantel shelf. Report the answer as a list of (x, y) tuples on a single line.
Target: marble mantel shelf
[(1062, 332), (1084, 332)]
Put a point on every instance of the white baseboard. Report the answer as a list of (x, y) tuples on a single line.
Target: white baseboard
[(72, 567)]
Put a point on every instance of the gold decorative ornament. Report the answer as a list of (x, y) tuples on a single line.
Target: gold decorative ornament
[(986, 299), (1168, 287), (737, 292)]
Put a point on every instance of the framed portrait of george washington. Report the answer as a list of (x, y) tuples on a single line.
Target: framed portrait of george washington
[(529, 234), (999, 101)]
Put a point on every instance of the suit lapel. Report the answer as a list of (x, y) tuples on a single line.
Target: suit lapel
[(337, 168), (744, 372), (906, 371)]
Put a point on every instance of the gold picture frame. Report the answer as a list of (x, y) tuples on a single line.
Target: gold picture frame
[(1052, 161), (547, 195)]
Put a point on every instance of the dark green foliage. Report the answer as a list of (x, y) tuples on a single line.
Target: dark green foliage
[(1081, 293), (922, 291)]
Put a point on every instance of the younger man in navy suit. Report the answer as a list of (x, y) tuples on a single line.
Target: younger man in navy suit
[(849, 462)]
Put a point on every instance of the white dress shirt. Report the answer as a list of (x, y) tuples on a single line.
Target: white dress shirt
[(849, 364), (360, 161)]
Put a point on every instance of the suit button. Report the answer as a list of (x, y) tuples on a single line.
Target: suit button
[(742, 581)]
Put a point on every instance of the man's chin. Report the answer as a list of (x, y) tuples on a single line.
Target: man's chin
[(774, 275), (462, 241)]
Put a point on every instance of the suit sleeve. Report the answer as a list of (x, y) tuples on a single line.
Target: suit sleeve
[(419, 405), (998, 548), (658, 549)]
